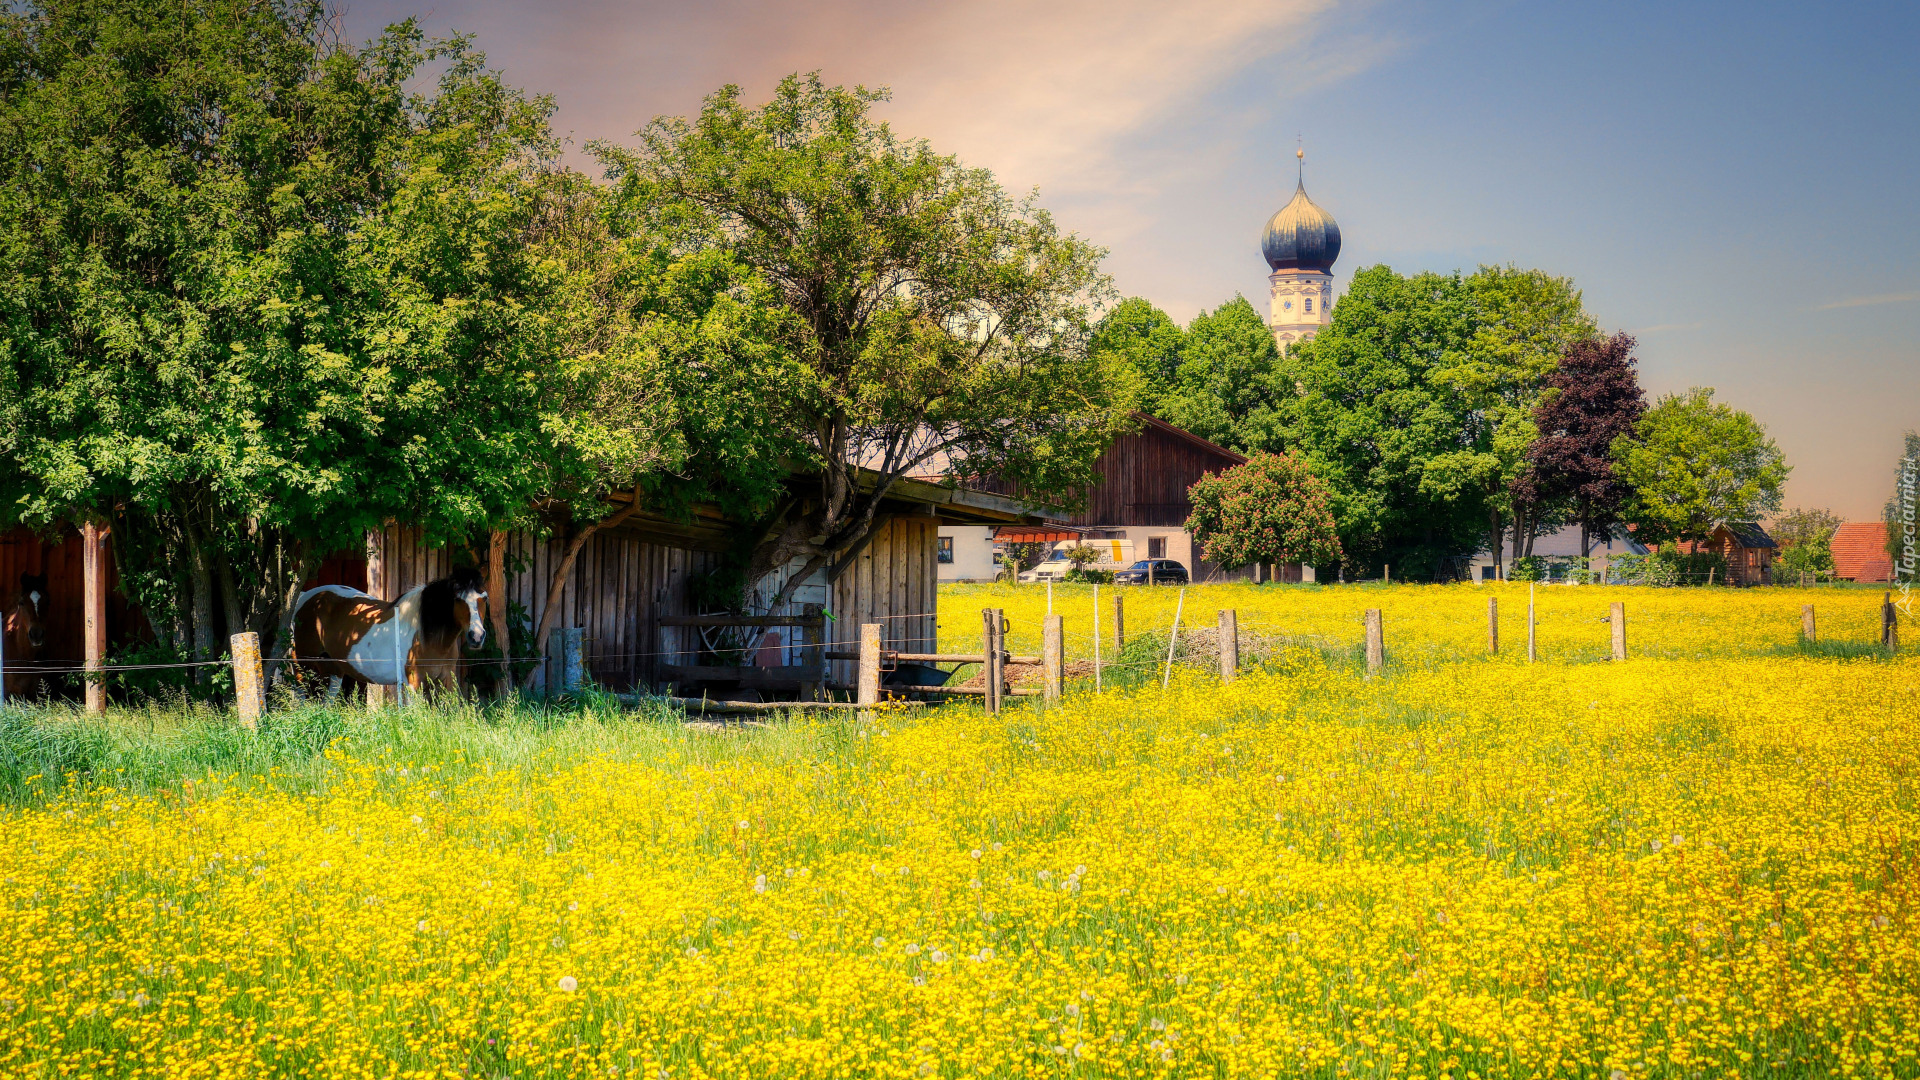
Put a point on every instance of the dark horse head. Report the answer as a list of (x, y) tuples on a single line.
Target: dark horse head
[(27, 620), (455, 603)]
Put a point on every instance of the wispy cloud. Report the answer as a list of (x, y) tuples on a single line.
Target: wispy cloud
[(1073, 96), (1869, 301)]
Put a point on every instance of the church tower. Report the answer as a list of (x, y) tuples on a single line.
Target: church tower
[(1300, 243)]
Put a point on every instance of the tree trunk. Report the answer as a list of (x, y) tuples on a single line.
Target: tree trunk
[(297, 561), (1493, 540), (551, 609), (202, 576), (230, 600)]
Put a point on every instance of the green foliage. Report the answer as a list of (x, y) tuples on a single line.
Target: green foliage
[(1272, 509), (1900, 511), (1806, 542), (1381, 417), (1666, 567), (1215, 378), (1147, 342), (1224, 387), (1695, 464), (1080, 555), (935, 321)]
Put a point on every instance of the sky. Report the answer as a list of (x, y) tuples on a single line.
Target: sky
[(1731, 183)]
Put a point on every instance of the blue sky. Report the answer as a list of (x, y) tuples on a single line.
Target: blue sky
[(1733, 183)]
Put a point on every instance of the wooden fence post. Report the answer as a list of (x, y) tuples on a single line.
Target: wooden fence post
[(1806, 623), (989, 652), (1000, 657), (249, 689), (869, 681), (1531, 656), (93, 550), (377, 588), (1052, 658), (1889, 623), (1493, 625), (573, 666), (1619, 619), (1119, 621), (1376, 642), (1229, 646)]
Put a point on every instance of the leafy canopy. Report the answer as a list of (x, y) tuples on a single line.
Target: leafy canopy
[(938, 324), (1695, 464)]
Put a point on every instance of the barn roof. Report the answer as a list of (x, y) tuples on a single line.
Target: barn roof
[(1157, 424), (1860, 552)]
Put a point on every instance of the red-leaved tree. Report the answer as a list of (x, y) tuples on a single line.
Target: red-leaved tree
[(1593, 398), (1272, 509)]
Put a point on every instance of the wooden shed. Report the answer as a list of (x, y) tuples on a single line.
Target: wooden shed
[(1747, 548), (629, 578)]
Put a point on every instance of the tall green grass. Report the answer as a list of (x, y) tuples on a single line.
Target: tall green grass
[(46, 748)]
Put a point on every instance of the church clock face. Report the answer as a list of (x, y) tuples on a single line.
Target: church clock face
[(1286, 305)]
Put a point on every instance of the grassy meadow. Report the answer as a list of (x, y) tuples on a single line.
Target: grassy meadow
[(1703, 862)]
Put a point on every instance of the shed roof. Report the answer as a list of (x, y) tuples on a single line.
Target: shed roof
[(1860, 552), (1749, 534)]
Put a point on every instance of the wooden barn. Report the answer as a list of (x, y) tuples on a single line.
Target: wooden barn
[(1141, 501), (627, 593)]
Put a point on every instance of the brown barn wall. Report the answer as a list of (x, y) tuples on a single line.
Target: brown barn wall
[(1144, 477), (26, 551)]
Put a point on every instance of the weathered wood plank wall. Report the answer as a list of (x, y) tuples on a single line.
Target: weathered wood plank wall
[(619, 585), (23, 550), (894, 582)]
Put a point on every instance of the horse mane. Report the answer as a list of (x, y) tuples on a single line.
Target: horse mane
[(436, 601)]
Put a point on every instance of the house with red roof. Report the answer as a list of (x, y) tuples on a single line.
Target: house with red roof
[(1860, 552)]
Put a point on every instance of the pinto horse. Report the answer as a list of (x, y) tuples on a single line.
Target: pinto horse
[(344, 633), (25, 635)]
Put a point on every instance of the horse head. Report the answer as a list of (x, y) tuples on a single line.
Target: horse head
[(29, 611), (467, 588)]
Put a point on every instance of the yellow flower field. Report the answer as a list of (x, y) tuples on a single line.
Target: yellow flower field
[(1673, 867), (1438, 622)]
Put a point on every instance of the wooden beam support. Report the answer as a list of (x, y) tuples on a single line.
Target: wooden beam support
[(93, 551)]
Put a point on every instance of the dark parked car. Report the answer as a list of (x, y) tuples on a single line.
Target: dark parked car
[(1164, 572)]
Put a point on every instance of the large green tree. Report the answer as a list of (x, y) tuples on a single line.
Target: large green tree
[(1695, 464), (1224, 387), (261, 294), (1900, 514), (1215, 377), (1524, 322), (1149, 343), (1378, 402), (939, 323)]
